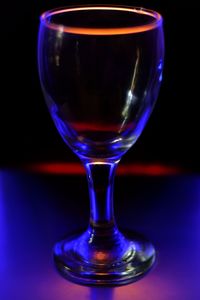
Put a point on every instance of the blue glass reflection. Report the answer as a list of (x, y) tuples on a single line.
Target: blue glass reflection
[(102, 294), (160, 68)]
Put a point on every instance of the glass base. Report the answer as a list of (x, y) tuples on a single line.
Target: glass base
[(103, 261)]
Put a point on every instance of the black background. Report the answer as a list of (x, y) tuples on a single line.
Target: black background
[(26, 130)]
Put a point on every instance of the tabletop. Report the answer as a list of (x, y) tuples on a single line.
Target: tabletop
[(38, 208)]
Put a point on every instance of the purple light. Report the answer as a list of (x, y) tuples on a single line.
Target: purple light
[(31, 219), (3, 228)]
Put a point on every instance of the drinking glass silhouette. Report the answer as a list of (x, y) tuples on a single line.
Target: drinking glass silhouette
[(100, 69)]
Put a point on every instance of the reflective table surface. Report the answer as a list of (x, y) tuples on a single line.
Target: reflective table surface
[(38, 208)]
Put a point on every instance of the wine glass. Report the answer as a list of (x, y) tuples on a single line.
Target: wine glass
[(100, 69)]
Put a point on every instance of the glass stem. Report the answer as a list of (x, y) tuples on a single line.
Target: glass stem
[(100, 177)]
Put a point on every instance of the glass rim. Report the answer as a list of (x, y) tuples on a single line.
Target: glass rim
[(157, 21)]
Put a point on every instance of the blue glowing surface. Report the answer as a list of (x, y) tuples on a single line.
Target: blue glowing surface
[(37, 210)]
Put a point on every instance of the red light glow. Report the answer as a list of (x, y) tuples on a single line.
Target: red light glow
[(66, 168)]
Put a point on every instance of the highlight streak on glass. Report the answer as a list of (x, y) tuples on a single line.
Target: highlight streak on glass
[(103, 31), (131, 98)]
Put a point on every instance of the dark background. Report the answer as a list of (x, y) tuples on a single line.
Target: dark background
[(26, 130)]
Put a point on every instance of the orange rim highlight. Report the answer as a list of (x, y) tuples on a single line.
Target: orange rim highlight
[(102, 31)]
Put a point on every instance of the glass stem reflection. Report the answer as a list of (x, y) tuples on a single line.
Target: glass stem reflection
[(100, 180)]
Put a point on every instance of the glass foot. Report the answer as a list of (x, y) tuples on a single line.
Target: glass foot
[(104, 261)]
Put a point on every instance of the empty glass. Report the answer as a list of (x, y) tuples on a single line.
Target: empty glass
[(100, 70)]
